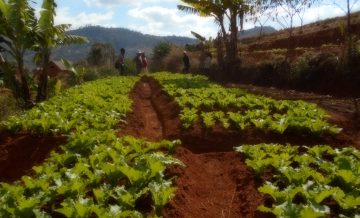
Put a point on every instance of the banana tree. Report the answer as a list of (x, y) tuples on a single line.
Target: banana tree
[(224, 11), (49, 36), (17, 20), (215, 9)]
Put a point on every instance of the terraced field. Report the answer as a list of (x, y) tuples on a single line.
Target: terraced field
[(175, 145)]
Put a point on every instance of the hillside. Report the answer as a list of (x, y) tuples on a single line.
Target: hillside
[(329, 31), (132, 41)]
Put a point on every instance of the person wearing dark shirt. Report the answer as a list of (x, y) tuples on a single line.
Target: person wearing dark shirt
[(186, 62), (122, 61)]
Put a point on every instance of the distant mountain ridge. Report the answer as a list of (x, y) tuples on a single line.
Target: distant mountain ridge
[(132, 41), (256, 31)]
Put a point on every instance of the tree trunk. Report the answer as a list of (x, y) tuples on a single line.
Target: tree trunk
[(43, 80), (233, 38), (291, 41), (219, 43), (348, 39), (231, 61), (24, 83), (348, 29)]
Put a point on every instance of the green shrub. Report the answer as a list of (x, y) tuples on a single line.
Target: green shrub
[(161, 50), (130, 67), (54, 87), (91, 74), (274, 72), (8, 104), (301, 68)]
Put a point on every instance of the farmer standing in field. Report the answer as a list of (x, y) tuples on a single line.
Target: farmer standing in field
[(138, 62), (122, 61), (207, 64), (144, 63), (186, 62)]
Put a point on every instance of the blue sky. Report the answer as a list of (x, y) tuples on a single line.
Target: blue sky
[(159, 17)]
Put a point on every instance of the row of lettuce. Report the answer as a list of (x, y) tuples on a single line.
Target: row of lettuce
[(96, 174), (209, 103), (305, 182)]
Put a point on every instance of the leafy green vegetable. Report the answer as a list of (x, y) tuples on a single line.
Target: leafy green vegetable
[(209, 103), (305, 185), (95, 173)]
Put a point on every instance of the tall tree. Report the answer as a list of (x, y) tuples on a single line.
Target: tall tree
[(49, 36), (286, 12), (101, 54), (224, 11), (347, 8), (17, 20), (261, 16)]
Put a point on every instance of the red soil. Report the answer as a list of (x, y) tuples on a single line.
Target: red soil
[(19, 153), (311, 39), (143, 121), (216, 184)]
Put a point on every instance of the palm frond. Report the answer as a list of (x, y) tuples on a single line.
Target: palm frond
[(73, 39), (188, 9), (198, 36), (3, 8), (46, 20)]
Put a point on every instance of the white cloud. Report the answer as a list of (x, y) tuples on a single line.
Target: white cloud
[(164, 21), (104, 19), (100, 3), (131, 3)]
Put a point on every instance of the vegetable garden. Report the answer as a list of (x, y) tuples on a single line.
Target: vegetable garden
[(104, 171)]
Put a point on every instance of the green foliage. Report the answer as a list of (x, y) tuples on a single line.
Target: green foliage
[(8, 104), (209, 103), (306, 184), (98, 105), (101, 54), (311, 69), (95, 173), (161, 50), (198, 36), (225, 13), (17, 22), (91, 74), (54, 87), (130, 67), (49, 36)]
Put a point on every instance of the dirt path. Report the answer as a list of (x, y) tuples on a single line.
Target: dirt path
[(214, 183), (143, 121)]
